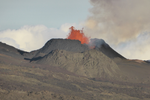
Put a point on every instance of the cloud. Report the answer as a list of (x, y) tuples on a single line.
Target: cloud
[(32, 37), (118, 21), (123, 24), (10, 42), (137, 48)]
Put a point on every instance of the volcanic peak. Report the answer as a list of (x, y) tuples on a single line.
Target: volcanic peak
[(62, 44)]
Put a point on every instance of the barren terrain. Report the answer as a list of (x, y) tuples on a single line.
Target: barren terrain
[(67, 75)]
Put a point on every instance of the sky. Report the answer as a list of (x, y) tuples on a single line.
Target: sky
[(51, 13), (123, 24)]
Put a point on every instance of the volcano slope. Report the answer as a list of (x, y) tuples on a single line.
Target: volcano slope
[(61, 44), (11, 51), (65, 72), (101, 62), (101, 45), (92, 63)]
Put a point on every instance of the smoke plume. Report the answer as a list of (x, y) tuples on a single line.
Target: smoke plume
[(117, 21), (136, 48)]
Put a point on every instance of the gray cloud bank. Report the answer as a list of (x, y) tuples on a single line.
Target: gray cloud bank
[(120, 22), (137, 48)]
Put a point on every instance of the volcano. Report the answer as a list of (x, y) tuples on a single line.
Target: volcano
[(76, 46), (61, 44), (68, 69)]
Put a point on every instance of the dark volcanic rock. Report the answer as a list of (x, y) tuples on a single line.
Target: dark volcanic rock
[(72, 72), (14, 52), (101, 45), (76, 46), (11, 51), (62, 44)]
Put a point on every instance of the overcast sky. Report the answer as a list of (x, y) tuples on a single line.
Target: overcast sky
[(123, 24)]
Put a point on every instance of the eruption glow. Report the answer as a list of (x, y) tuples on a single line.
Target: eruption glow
[(78, 35)]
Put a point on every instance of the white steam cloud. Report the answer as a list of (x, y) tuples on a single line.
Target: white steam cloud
[(122, 24), (30, 38), (117, 21), (137, 48)]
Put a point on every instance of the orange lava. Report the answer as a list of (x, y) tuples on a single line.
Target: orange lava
[(78, 35)]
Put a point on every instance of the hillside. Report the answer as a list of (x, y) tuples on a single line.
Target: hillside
[(61, 44), (92, 63), (68, 70)]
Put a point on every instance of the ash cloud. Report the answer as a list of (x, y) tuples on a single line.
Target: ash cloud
[(137, 48), (118, 21)]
